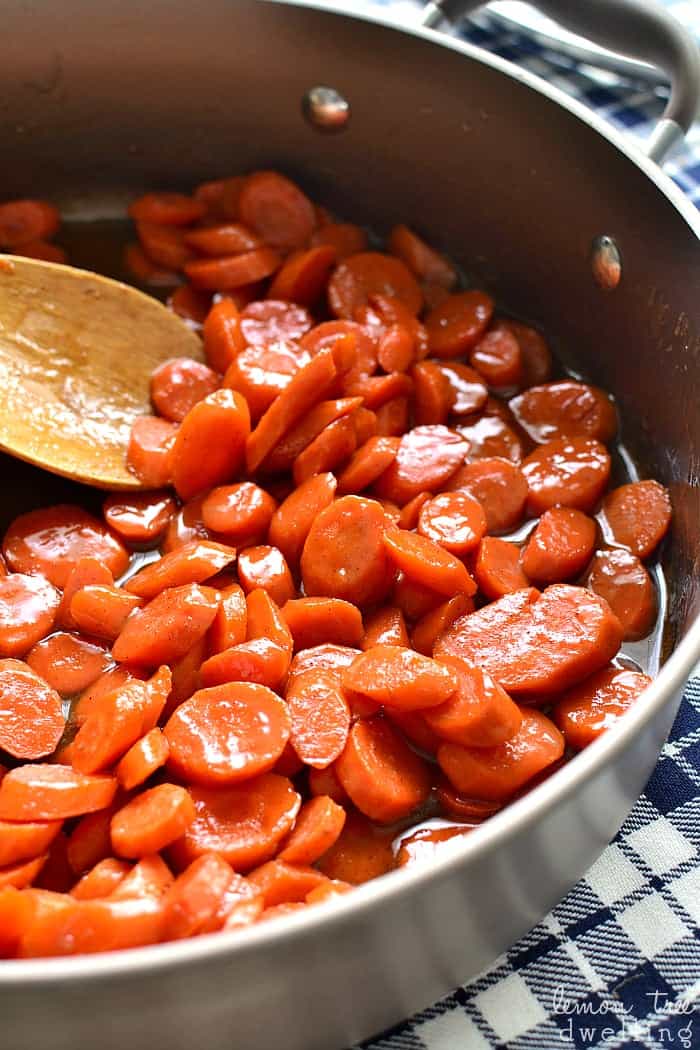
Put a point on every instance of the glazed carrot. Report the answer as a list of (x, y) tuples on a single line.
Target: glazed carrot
[(317, 828), (386, 626), (177, 385), (491, 436), (266, 567), (276, 210), (362, 852), (456, 325), (414, 599), (149, 454), (89, 842), (565, 409), (22, 221), (102, 610), (385, 779), (498, 569), (274, 321), (344, 237), (86, 571), (170, 209), (144, 271), (151, 821), (329, 889), (328, 451), (266, 620), (258, 660), (424, 561), (467, 809), (433, 393), (194, 899), (537, 645), (31, 716), (102, 880), (242, 512), (479, 714), (223, 338), (78, 927), (67, 663), (497, 358), (359, 276), (560, 546), (319, 717), (193, 562), (210, 443), (638, 516), (106, 683), (396, 349), (243, 824), (28, 608), (142, 759), (167, 627), (116, 721), (240, 906), (570, 471), (364, 350), (585, 712), (410, 512), (280, 911), (220, 196), (229, 625), (454, 520), (496, 773), (537, 360), (46, 792), (226, 238), (325, 782), (190, 305), (421, 259), (377, 390), (368, 463), (309, 427), (228, 272), (50, 542), (164, 245), (468, 391), (426, 460), (22, 874), (137, 518), (433, 623), (185, 677), (499, 486), (150, 877), (186, 525), (399, 678), (327, 657), (620, 578), (227, 733), (289, 763), (22, 842), (260, 374), (307, 387), (302, 277), (427, 844), (315, 621), (281, 883), (344, 554)]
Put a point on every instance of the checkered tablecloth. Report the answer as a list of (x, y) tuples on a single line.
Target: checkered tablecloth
[(616, 965)]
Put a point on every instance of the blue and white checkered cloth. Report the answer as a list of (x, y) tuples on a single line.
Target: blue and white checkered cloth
[(616, 965)]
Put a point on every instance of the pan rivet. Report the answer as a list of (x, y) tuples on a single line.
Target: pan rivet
[(606, 263), (325, 108)]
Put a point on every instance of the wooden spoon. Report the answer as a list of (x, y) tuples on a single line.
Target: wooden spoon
[(76, 354)]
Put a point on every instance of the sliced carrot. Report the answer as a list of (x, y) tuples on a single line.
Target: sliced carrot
[(414, 728), (146, 272), (565, 409), (317, 828), (294, 517), (170, 209), (78, 927), (229, 625), (329, 450), (357, 277), (22, 842), (429, 843), (456, 325), (193, 562), (241, 905), (362, 852), (426, 460), (151, 821), (385, 779), (220, 196), (433, 393), (241, 512), (319, 717), (414, 599), (281, 883), (479, 714), (498, 359), (192, 306), (638, 516), (306, 430), (620, 578), (303, 276), (259, 660), (499, 486), (260, 374), (52, 541), (368, 463), (116, 721), (31, 715), (164, 245), (308, 386), (363, 347), (138, 517), (86, 571), (560, 546), (142, 759), (69, 664), (424, 561), (22, 874), (28, 607), (185, 677), (328, 890), (537, 360), (102, 880), (227, 733), (149, 454), (421, 259), (568, 471), (210, 443), (228, 272), (344, 554), (102, 610), (268, 321), (490, 436), (494, 774), (454, 520), (194, 899), (226, 238), (244, 824), (266, 567), (410, 512), (179, 384), (186, 525), (22, 221), (398, 677), (344, 237), (385, 626), (325, 782), (106, 683), (277, 210), (167, 627), (265, 620), (150, 877), (89, 842), (585, 712), (468, 391), (433, 623), (327, 657), (314, 621), (223, 338), (468, 809), (498, 569), (46, 792)]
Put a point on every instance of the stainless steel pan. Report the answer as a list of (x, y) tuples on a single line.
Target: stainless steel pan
[(98, 101)]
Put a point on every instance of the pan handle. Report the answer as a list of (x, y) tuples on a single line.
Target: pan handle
[(639, 28)]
